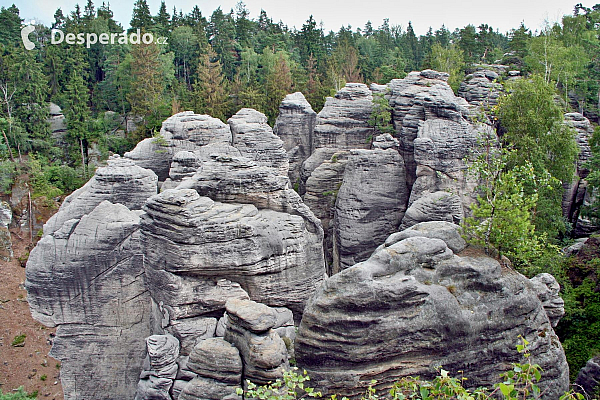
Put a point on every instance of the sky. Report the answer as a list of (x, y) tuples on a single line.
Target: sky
[(500, 14)]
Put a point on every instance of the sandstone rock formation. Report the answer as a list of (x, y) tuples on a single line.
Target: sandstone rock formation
[(218, 366), (183, 131), (413, 306), (576, 193), (481, 88), (6, 252), (249, 328), (370, 204), (255, 140), (121, 181), (84, 277), (343, 121), (160, 370), (588, 378), (295, 126)]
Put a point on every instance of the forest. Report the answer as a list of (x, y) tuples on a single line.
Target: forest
[(113, 96)]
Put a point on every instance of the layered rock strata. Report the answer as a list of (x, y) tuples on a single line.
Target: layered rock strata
[(295, 126), (414, 306)]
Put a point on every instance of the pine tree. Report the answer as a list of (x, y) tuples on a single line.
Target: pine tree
[(10, 21), (161, 21), (278, 85), (77, 114), (30, 96), (141, 17), (147, 87), (210, 96)]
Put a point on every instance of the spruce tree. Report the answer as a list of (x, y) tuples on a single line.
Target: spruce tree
[(210, 96), (10, 21), (77, 115), (141, 17)]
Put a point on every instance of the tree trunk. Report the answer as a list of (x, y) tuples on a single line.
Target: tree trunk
[(8, 145)]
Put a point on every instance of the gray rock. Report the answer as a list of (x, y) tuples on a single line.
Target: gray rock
[(6, 252), (385, 141), (87, 278), (189, 330), (184, 131), (154, 388), (217, 359), (264, 355), (201, 388), (588, 378), (163, 351), (322, 189), (414, 306), (343, 122), (311, 163), (445, 231), (255, 140), (437, 206), (250, 315), (548, 289), (191, 241), (418, 97), (370, 204), (121, 181), (481, 88), (295, 126)]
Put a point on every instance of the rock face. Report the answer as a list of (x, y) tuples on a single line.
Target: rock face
[(249, 328), (191, 242), (343, 121), (121, 181), (161, 370), (255, 140), (414, 305), (481, 88), (370, 204), (419, 97), (576, 193), (86, 276), (588, 378), (295, 126), (184, 131)]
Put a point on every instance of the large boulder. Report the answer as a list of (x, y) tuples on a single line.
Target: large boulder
[(87, 278), (481, 88), (414, 306), (588, 379), (295, 126)]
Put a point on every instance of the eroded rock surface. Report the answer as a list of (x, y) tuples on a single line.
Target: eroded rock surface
[(295, 126), (87, 278), (370, 204), (588, 378), (413, 306), (481, 88)]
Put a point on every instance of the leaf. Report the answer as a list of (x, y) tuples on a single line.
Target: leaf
[(506, 389)]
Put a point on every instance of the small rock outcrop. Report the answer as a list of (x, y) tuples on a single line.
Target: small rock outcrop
[(588, 378), (218, 366), (295, 126), (343, 121), (481, 88), (249, 328), (255, 140), (156, 380), (413, 306), (6, 252)]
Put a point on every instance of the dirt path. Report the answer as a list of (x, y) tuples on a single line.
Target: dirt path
[(29, 366)]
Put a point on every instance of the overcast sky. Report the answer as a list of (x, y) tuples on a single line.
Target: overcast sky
[(502, 15)]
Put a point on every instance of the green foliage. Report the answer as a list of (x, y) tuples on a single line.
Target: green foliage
[(592, 210), (19, 341), (8, 172), (503, 214), (19, 394), (448, 59), (381, 116), (535, 129), (292, 386)]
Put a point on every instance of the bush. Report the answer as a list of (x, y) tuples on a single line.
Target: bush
[(19, 394)]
